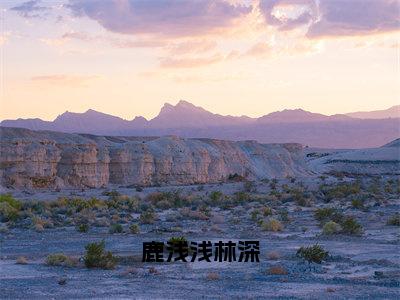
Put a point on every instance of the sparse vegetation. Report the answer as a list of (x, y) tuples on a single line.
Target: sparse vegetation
[(21, 260), (9, 208), (272, 225), (134, 229), (97, 257), (327, 214), (60, 259), (394, 220), (83, 228), (314, 253), (273, 255), (212, 276), (331, 228), (351, 226), (116, 228), (277, 270), (357, 203), (147, 217)]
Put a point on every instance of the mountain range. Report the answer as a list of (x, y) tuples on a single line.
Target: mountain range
[(352, 130)]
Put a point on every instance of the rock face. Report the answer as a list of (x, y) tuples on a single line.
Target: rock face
[(384, 160), (45, 159)]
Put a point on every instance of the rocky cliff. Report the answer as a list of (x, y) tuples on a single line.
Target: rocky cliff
[(45, 159)]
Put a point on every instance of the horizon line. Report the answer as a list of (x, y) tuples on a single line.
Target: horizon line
[(197, 106)]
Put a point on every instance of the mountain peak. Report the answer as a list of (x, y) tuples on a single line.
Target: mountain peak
[(184, 103)]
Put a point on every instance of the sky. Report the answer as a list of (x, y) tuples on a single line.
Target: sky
[(233, 57)]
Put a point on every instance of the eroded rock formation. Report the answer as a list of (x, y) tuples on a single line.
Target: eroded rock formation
[(45, 159)]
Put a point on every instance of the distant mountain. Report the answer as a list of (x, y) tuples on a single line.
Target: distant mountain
[(187, 120), (185, 114), (298, 116), (392, 112)]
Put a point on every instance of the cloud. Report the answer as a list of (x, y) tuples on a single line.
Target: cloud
[(172, 18), (64, 80), (30, 9), (348, 18), (260, 49), (331, 18), (189, 62), (192, 46), (287, 14), (269, 50), (113, 41)]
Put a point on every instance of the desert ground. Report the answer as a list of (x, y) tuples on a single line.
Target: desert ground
[(354, 218)]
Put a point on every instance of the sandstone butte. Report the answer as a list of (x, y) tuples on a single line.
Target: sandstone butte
[(46, 159)]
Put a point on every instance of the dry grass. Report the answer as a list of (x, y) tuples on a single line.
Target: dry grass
[(277, 270), (39, 228), (22, 260), (273, 255), (60, 259), (212, 276), (272, 225)]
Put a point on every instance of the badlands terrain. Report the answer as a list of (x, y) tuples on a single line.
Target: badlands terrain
[(63, 191)]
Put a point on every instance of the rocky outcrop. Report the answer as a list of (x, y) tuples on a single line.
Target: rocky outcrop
[(46, 159), (373, 161)]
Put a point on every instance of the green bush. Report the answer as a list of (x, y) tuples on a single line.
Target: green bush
[(83, 228), (284, 215), (96, 257), (313, 253), (8, 198), (341, 190), (394, 220), (241, 197), (216, 197), (331, 228), (351, 226), (8, 213), (327, 214), (147, 217), (166, 200), (9, 208), (115, 228), (177, 239), (357, 203), (134, 228)]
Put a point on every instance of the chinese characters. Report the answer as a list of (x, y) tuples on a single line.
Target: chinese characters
[(243, 251)]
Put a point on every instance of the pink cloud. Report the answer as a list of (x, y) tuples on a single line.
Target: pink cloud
[(330, 18), (160, 17)]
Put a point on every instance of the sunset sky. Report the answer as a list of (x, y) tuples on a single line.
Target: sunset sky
[(128, 57)]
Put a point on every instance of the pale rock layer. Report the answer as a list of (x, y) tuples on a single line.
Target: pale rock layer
[(46, 159)]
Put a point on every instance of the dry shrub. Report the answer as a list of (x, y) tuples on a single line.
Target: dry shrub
[(212, 276), (39, 228), (272, 225), (21, 260), (277, 270), (273, 255), (193, 214), (60, 259)]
